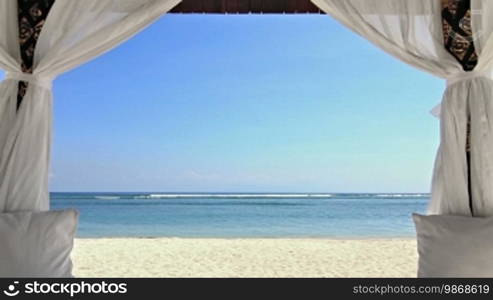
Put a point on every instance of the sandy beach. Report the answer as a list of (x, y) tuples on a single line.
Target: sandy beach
[(188, 257)]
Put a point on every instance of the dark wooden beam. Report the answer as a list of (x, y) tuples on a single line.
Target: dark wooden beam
[(246, 7)]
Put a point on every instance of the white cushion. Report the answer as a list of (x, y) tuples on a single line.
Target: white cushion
[(37, 244), (454, 246)]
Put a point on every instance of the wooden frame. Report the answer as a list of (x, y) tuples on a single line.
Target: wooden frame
[(246, 7)]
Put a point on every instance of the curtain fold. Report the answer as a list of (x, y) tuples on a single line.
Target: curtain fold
[(412, 31), (74, 33)]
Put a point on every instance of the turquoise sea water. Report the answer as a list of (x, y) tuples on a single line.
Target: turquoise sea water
[(243, 215)]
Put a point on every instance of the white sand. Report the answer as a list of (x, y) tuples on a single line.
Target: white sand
[(176, 257)]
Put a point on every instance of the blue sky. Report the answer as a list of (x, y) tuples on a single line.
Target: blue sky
[(245, 104)]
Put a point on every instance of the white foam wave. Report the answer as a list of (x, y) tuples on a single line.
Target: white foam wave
[(107, 197), (401, 195), (280, 196)]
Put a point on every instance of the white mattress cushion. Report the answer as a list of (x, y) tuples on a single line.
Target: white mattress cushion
[(454, 246), (37, 244)]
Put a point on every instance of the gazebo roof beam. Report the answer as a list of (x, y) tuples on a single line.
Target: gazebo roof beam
[(247, 7)]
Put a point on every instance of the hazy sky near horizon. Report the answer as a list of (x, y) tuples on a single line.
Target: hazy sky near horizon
[(245, 104)]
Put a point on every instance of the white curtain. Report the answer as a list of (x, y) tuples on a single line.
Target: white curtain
[(75, 32), (411, 30)]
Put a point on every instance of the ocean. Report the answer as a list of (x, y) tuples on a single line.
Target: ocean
[(216, 215)]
